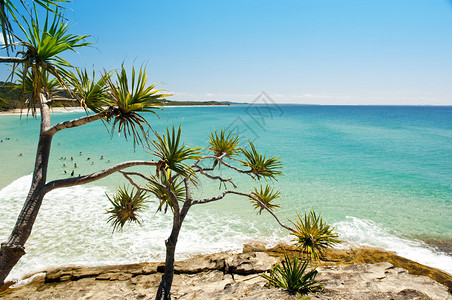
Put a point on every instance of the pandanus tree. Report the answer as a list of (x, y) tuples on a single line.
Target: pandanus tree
[(176, 176), (116, 98)]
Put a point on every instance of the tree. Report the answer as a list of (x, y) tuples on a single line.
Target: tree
[(41, 70), (175, 178)]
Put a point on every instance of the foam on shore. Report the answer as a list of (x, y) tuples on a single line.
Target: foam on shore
[(369, 233), (71, 229)]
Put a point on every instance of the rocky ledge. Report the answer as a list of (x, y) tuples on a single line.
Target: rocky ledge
[(357, 273)]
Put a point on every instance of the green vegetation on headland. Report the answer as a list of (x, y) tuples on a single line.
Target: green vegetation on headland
[(165, 102), (10, 94)]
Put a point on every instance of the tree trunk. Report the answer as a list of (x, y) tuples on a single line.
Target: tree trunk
[(164, 290), (13, 249)]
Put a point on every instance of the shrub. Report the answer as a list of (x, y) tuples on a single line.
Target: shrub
[(314, 236), (291, 275)]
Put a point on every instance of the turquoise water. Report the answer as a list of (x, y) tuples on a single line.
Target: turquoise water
[(381, 175)]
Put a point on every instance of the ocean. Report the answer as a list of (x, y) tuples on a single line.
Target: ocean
[(382, 175)]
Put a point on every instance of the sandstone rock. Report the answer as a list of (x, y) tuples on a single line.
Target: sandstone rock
[(234, 276)]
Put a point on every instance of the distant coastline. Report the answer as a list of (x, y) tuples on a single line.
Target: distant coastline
[(16, 111)]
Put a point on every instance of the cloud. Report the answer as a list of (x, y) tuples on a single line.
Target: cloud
[(2, 40)]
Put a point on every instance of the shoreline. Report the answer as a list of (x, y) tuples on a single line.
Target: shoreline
[(18, 111), (357, 262)]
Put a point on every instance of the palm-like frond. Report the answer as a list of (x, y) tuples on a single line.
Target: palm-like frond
[(314, 236), (176, 186), (49, 88), (172, 153), (222, 143), (92, 94), (266, 196), (260, 165), (43, 46), (126, 207), (130, 99), (292, 275), (8, 10)]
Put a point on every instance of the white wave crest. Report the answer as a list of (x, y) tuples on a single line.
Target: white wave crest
[(72, 229), (366, 232)]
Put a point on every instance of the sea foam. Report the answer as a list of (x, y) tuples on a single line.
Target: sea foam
[(369, 233), (71, 229)]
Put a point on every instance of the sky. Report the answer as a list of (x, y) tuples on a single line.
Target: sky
[(350, 52)]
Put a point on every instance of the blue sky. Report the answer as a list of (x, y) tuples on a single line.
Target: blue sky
[(317, 51)]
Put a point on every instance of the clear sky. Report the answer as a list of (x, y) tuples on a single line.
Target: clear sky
[(298, 51)]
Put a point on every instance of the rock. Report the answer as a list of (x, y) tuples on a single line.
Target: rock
[(236, 276), (114, 276)]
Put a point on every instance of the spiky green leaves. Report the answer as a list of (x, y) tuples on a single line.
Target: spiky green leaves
[(8, 8), (92, 94), (314, 236), (173, 154), (176, 187), (129, 96), (43, 45), (265, 196), (293, 276), (126, 207), (260, 165), (222, 143)]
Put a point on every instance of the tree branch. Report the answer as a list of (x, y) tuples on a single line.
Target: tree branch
[(251, 195), (13, 59), (176, 208), (220, 159), (79, 122), (62, 100), (259, 199), (145, 177), (202, 171), (94, 176), (188, 200), (216, 198), (139, 188), (236, 169)]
